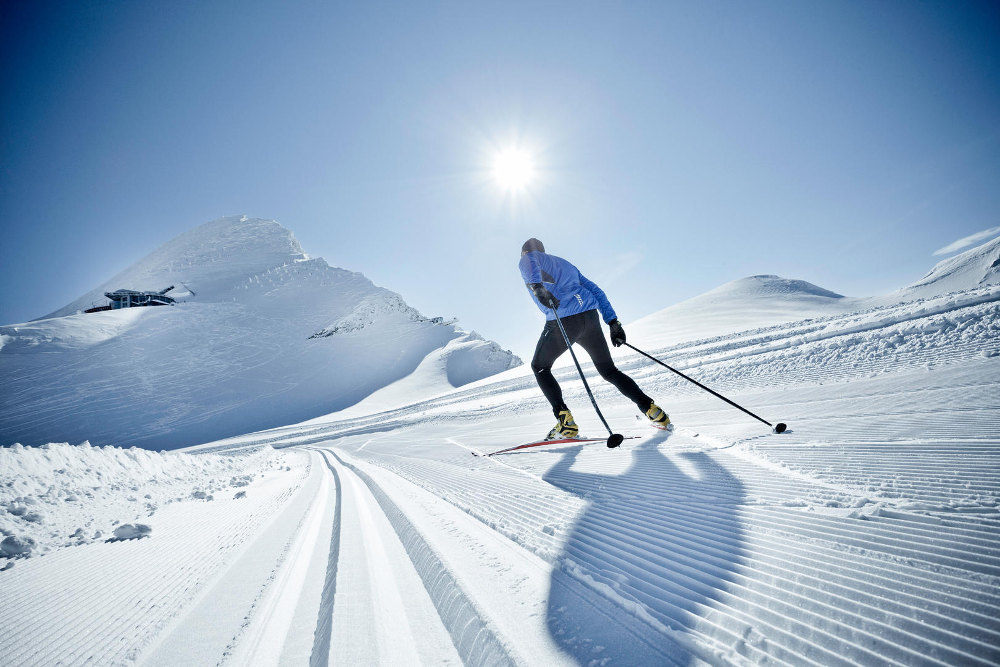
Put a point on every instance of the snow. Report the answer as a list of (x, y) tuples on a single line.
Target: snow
[(973, 268), (132, 531), (60, 495), (756, 301), (868, 533), (762, 301), (264, 337)]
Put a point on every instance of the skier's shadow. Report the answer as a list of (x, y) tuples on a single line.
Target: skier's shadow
[(655, 547)]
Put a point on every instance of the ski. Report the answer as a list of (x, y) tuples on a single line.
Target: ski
[(540, 443)]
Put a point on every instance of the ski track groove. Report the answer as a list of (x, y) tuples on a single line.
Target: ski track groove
[(319, 657), (471, 634), (782, 609), (123, 606), (828, 569), (694, 528), (824, 578)]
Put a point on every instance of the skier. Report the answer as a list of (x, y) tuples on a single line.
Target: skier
[(553, 280)]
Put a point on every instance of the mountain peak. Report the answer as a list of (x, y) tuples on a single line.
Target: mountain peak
[(209, 260), (745, 303), (768, 285)]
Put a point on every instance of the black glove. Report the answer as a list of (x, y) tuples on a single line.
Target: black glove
[(545, 296), (617, 333)]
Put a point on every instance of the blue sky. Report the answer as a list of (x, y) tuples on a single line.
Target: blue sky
[(679, 145)]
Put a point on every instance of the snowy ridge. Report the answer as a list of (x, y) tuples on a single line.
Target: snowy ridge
[(371, 309), (977, 267)]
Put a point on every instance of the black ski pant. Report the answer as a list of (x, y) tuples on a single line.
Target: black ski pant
[(585, 330)]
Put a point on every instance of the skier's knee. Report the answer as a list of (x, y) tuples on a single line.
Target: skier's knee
[(607, 370), (539, 368)]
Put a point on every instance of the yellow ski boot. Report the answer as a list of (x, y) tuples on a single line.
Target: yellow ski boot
[(660, 419), (566, 428)]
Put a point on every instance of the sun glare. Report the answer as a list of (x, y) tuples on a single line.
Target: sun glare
[(513, 169)]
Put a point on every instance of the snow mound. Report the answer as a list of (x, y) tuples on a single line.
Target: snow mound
[(459, 363), (465, 358), (765, 287), (132, 531), (60, 495), (15, 546)]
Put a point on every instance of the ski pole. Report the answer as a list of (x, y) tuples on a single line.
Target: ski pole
[(778, 428), (614, 439)]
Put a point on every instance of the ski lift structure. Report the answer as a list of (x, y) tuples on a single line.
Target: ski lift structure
[(128, 298)]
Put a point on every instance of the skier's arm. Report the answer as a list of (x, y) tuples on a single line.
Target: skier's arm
[(532, 275), (530, 271), (607, 312)]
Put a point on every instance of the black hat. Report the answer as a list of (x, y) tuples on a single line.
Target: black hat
[(532, 244)]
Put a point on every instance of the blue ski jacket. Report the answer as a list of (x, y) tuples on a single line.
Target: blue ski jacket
[(576, 294)]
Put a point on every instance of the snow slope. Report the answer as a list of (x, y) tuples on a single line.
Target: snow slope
[(747, 303), (977, 267), (263, 336), (868, 533), (762, 301)]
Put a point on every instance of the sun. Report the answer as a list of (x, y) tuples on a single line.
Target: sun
[(513, 169)]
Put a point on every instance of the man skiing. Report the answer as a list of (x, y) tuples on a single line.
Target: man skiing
[(557, 285)]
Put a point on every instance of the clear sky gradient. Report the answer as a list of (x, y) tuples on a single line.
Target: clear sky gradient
[(679, 145)]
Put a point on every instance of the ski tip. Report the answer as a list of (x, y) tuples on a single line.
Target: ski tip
[(780, 428), (615, 440)]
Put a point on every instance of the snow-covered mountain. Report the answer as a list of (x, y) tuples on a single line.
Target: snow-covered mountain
[(756, 301), (764, 301), (262, 335)]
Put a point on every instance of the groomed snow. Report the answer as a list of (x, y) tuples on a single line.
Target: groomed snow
[(868, 533)]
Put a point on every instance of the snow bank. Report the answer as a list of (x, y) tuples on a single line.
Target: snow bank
[(61, 495)]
